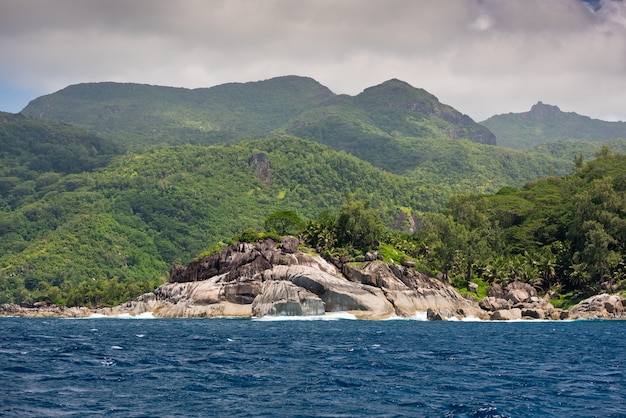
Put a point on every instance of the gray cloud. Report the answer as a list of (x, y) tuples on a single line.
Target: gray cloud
[(481, 56)]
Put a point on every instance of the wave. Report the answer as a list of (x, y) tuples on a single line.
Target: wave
[(145, 315), (334, 316)]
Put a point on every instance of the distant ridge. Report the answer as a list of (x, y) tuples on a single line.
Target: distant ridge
[(144, 114), (546, 123)]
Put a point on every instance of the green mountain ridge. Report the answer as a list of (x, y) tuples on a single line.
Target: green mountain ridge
[(108, 184), (141, 115), (546, 124), (144, 114)]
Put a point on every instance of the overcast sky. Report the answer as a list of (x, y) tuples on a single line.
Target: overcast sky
[(483, 57)]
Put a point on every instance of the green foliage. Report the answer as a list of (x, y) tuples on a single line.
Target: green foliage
[(320, 233), (146, 115), (359, 226), (357, 229), (35, 155), (483, 285), (565, 233), (284, 222), (144, 212)]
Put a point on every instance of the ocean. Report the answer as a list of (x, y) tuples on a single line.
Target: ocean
[(311, 368)]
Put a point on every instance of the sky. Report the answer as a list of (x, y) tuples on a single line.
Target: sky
[(482, 57)]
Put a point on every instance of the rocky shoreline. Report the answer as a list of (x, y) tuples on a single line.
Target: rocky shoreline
[(279, 279)]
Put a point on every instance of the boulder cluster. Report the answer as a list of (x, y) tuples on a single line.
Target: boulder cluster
[(519, 301), (516, 301)]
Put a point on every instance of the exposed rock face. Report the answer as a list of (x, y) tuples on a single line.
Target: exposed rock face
[(271, 279), (518, 292), (43, 310), (602, 306), (506, 314), (490, 303), (283, 298), (495, 291)]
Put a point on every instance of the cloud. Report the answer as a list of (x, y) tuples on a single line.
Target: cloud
[(481, 56)]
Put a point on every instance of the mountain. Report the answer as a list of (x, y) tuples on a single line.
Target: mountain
[(105, 185), (546, 123), (386, 124), (143, 114), (365, 125)]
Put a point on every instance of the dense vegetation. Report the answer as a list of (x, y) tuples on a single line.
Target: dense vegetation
[(144, 115), (561, 235), (546, 123), (134, 218), (98, 216)]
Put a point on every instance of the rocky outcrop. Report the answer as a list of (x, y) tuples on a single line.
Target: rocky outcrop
[(602, 306), (277, 279), (519, 292), (43, 310), (283, 298), (518, 300)]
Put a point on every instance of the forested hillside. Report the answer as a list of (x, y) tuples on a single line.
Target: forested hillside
[(96, 212), (34, 155), (373, 125), (564, 235), (546, 123), (142, 114), (132, 219)]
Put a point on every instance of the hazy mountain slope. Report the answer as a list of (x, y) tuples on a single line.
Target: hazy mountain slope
[(143, 114), (545, 123), (380, 124)]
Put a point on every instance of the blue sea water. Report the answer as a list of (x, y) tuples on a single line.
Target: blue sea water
[(341, 368)]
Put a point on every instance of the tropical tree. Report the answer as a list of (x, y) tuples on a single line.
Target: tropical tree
[(284, 222), (359, 226)]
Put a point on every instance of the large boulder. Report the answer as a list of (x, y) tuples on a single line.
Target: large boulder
[(289, 244), (603, 306), (492, 304), (506, 314), (519, 292), (283, 298), (340, 294), (495, 291), (445, 301)]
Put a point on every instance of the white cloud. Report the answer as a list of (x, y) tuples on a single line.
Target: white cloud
[(480, 56)]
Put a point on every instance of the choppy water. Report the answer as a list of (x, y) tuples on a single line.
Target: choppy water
[(343, 368)]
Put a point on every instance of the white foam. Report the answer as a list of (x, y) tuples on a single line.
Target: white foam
[(464, 319), (334, 316), (95, 316), (145, 315), (420, 316)]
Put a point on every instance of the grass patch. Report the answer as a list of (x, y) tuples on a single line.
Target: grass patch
[(482, 289), (567, 300)]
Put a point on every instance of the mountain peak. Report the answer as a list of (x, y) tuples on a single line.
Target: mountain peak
[(542, 111)]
